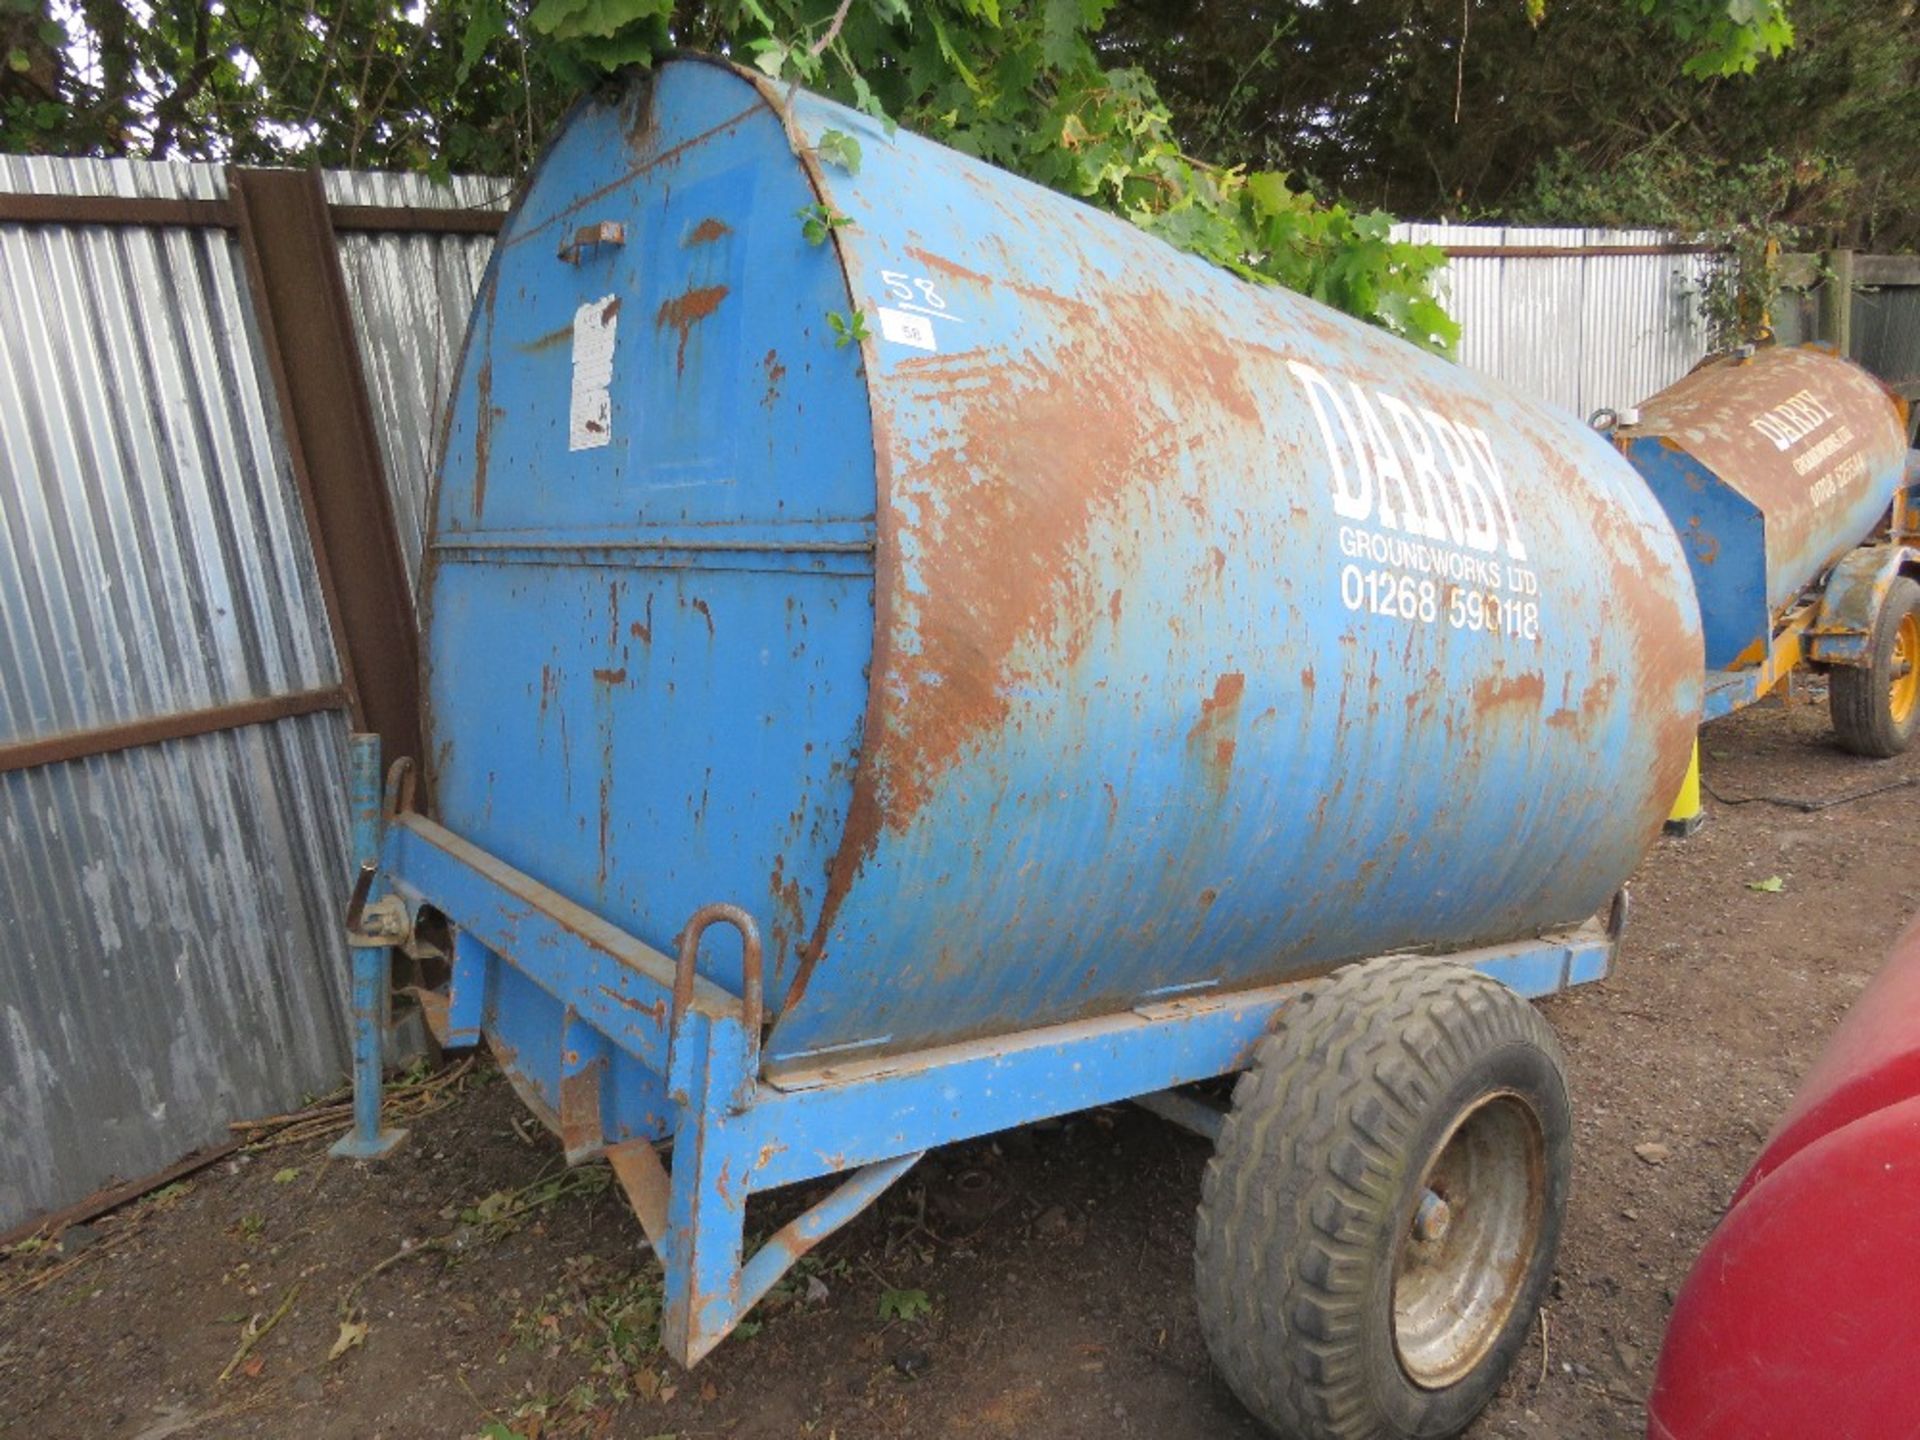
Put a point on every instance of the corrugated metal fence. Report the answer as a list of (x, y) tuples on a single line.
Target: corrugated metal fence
[(410, 296), (172, 955), (1886, 334), (1583, 319)]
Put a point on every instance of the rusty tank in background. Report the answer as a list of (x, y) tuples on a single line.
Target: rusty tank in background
[(1773, 463), (1786, 473)]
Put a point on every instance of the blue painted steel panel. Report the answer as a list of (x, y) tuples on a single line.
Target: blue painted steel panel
[(646, 672), (1724, 535), (1099, 627)]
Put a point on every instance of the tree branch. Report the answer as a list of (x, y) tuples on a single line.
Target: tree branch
[(172, 109), (819, 47)]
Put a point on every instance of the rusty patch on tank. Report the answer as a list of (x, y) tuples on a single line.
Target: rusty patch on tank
[(553, 339), (1664, 638), (482, 435), (636, 120), (1703, 543), (986, 583), (611, 677), (643, 630), (683, 312), (1216, 734), (1805, 438), (709, 230), (656, 1009), (776, 372), (939, 264), (1526, 690), (1045, 452), (789, 910), (606, 815)]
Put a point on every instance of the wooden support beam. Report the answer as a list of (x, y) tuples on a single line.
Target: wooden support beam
[(1886, 269), (1568, 252), (415, 220), (150, 212), (18, 209)]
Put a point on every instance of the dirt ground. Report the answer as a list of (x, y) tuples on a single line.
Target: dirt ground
[(1035, 1284)]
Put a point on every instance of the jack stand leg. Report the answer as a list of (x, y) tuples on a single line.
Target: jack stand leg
[(706, 1202), (367, 1140), (1687, 814), (706, 1235)]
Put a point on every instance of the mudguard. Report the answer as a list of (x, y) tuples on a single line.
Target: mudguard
[(1842, 633)]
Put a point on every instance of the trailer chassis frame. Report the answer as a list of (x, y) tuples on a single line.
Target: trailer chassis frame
[(734, 1131)]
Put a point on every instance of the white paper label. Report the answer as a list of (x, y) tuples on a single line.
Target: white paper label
[(590, 416), (905, 329)]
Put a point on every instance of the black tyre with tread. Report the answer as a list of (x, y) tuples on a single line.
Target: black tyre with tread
[(1862, 698), (1312, 1193)]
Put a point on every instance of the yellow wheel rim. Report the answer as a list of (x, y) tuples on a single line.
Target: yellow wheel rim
[(1903, 692)]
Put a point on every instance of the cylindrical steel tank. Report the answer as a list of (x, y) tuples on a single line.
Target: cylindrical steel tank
[(1772, 464), (1024, 620)]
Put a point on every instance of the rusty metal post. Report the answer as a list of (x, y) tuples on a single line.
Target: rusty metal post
[(306, 323), (366, 1140), (1836, 302)]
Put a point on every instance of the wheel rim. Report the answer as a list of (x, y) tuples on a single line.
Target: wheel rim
[(1464, 1253), (1903, 689)]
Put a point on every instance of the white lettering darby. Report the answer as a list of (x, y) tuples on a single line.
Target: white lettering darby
[(1440, 482), (1792, 420)]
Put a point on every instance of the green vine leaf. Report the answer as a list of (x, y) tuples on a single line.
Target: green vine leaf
[(836, 147), (486, 23), (817, 222), (848, 329), (770, 58), (904, 1304)]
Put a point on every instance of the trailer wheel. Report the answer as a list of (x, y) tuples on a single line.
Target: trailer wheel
[(1379, 1220), (1876, 706)]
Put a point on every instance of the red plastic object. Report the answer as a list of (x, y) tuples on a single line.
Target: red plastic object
[(1801, 1318)]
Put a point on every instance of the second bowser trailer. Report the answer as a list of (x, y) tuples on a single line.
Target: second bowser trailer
[(1786, 473)]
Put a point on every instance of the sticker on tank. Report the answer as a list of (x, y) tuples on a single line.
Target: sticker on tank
[(590, 412), (914, 303)]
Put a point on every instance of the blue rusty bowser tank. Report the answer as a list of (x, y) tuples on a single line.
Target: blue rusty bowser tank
[(1047, 662)]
